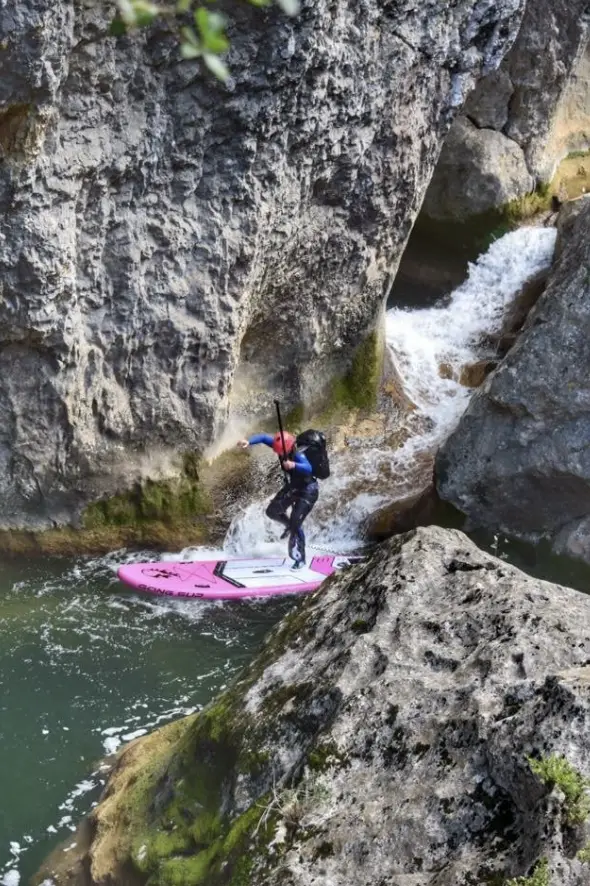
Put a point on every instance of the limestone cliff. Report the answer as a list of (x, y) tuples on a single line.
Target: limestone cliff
[(382, 736), (173, 249), (519, 458), (520, 120)]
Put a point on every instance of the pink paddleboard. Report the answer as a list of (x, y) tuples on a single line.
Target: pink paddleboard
[(231, 579)]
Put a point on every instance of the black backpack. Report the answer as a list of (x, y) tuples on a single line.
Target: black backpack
[(313, 445)]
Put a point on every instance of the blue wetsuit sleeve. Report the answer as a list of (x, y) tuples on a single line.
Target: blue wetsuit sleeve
[(302, 464), (261, 438)]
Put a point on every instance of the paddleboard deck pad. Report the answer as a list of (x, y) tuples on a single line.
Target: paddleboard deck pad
[(231, 579)]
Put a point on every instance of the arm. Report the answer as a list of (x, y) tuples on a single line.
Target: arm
[(260, 438), (300, 463), (256, 438)]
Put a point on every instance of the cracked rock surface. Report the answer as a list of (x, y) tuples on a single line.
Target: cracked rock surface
[(519, 459), (382, 735), (173, 250), (527, 114)]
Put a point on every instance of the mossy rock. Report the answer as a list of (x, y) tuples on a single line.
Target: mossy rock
[(358, 389)]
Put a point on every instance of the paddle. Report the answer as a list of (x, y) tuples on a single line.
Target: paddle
[(282, 433)]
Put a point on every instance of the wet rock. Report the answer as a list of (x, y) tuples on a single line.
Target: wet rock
[(517, 311), (175, 250), (402, 516), (478, 170), (519, 459), (566, 220), (382, 736), (445, 370), (474, 374)]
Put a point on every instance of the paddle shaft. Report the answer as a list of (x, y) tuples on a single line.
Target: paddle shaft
[(282, 433)]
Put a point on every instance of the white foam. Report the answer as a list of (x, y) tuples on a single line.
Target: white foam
[(370, 476), (83, 787), (420, 341)]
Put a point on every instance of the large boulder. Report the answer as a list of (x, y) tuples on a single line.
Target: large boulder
[(174, 250), (382, 736), (478, 170), (528, 115), (519, 460)]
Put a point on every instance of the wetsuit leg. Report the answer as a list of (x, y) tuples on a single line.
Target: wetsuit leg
[(302, 504), (277, 508)]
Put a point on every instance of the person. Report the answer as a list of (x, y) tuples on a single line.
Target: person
[(299, 493)]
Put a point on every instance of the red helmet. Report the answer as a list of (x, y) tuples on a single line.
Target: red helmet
[(277, 444)]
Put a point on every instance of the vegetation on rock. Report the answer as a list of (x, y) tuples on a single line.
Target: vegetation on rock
[(558, 772), (540, 877)]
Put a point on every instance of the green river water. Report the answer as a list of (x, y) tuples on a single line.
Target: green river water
[(86, 665)]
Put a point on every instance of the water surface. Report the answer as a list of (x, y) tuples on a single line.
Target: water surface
[(86, 665)]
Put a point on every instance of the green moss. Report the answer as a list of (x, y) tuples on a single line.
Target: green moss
[(584, 854), (358, 389), (467, 238), (540, 877), (324, 756), (174, 501), (241, 829), (252, 761), (578, 155), (206, 829), (558, 772), (161, 845), (192, 870), (360, 626)]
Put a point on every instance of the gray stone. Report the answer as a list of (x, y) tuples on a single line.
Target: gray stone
[(549, 49), (175, 251), (519, 459), (566, 220), (392, 716), (538, 99), (488, 104), (570, 126), (478, 170)]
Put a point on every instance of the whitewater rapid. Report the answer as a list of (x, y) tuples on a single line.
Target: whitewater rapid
[(369, 473), (373, 473)]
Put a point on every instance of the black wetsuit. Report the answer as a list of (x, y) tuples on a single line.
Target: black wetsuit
[(299, 493)]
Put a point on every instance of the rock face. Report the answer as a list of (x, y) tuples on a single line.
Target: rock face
[(520, 120), (478, 169), (173, 249), (519, 459), (381, 737)]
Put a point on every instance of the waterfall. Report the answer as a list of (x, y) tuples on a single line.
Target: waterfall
[(451, 334)]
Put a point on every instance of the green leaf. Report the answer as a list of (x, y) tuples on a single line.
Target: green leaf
[(260, 3), (189, 50), (210, 25), (183, 5), (217, 21), (117, 27), (202, 20), (289, 7), (216, 43), (189, 36), (216, 66), (127, 13), (145, 12)]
